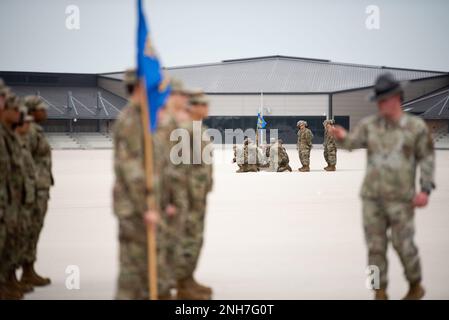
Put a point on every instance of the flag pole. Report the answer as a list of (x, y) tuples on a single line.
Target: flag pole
[(151, 203)]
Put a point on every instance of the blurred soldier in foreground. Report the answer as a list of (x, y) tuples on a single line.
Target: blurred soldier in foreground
[(200, 181), (304, 145), (396, 143), (5, 165), (130, 205), (12, 248), (330, 147), (41, 153)]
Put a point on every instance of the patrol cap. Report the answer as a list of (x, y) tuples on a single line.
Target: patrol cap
[(177, 86), (301, 122), (130, 77), (35, 103), (199, 99)]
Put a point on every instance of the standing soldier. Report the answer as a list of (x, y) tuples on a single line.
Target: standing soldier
[(11, 255), (29, 219), (304, 145), (129, 201), (330, 147), (41, 152), (200, 181), (396, 143)]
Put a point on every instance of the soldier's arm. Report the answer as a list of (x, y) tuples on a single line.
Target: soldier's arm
[(425, 156), (310, 138), (355, 139)]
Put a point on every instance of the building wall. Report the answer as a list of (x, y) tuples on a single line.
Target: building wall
[(280, 104), (356, 105)]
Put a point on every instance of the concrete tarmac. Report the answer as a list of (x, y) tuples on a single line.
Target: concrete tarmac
[(268, 235)]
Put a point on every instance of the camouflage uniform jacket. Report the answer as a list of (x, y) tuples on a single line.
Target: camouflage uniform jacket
[(304, 139), (393, 152), (130, 189), (329, 141), (30, 170), (41, 152)]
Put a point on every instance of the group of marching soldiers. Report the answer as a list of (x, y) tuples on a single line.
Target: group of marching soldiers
[(176, 212), (273, 157), (25, 181)]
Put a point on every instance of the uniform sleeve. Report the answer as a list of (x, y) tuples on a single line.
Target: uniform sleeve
[(425, 156), (310, 138), (129, 168), (355, 139)]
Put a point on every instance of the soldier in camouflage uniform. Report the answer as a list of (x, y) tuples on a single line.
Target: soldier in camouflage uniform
[(41, 153), (330, 147), (237, 152), (200, 181), (12, 253), (5, 292), (396, 143), (130, 202), (28, 223), (279, 160), (304, 145), (248, 158)]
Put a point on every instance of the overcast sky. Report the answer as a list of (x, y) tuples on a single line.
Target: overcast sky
[(34, 35)]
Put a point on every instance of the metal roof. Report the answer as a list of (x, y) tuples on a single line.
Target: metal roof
[(281, 74), (76, 102), (431, 106)]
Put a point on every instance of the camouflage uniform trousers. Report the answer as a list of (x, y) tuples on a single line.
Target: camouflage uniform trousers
[(398, 217), (192, 241), (36, 223), (133, 274), (330, 155), (11, 254), (25, 239), (304, 155)]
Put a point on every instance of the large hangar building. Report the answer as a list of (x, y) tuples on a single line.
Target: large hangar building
[(292, 88)]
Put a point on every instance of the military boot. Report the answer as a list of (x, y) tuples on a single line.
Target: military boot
[(30, 276), (199, 287), (186, 291), (415, 292), (330, 168), (304, 169), (12, 286), (24, 287), (380, 294), (326, 167), (7, 293)]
